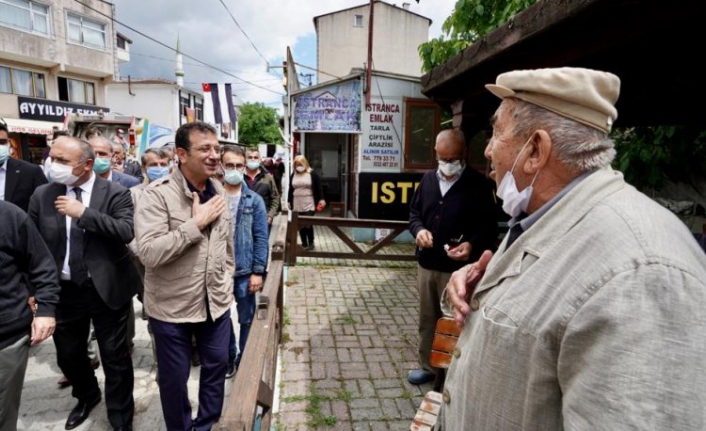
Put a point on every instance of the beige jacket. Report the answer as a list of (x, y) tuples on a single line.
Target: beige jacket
[(185, 269), (592, 320)]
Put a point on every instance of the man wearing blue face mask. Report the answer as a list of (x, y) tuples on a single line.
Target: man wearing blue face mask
[(155, 165), (18, 179), (102, 165), (452, 217), (250, 245)]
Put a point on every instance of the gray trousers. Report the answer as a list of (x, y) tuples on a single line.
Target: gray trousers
[(13, 364), (430, 285)]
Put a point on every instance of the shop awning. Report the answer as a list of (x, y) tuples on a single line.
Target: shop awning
[(31, 127)]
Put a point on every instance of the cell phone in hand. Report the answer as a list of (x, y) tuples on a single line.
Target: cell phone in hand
[(453, 243)]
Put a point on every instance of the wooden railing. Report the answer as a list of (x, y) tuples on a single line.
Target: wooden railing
[(249, 406), (293, 250)]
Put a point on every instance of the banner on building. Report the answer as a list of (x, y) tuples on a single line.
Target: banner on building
[(386, 196), (381, 142), (218, 104), (330, 108)]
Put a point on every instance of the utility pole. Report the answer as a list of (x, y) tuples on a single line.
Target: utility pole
[(370, 54)]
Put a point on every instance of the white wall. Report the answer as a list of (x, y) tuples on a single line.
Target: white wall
[(397, 33), (158, 102)]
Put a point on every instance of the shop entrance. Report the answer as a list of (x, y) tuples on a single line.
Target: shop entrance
[(327, 154)]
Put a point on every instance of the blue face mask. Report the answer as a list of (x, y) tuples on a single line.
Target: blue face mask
[(101, 165), (252, 165), (157, 172), (4, 153), (233, 177)]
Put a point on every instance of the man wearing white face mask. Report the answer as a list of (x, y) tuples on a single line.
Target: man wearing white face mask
[(86, 222), (591, 314), (452, 217)]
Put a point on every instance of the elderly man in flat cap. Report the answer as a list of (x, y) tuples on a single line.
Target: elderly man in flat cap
[(590, 316)]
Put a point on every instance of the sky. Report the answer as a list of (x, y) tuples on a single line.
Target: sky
[(209, 34)]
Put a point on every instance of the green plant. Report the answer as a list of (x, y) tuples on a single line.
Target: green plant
[(313, 408), (469, 21), (347, 320)]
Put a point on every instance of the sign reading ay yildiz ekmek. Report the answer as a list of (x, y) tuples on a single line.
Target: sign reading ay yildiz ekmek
[(386, 196), (51, 110), (333, 108)]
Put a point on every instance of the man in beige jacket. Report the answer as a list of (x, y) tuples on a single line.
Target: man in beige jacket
[(185, 241), (590, 316)]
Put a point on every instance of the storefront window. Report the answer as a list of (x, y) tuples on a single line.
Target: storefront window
[(422, 126)]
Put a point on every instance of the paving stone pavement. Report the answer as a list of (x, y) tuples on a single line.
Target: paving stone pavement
[(350, 337), (45, 406)]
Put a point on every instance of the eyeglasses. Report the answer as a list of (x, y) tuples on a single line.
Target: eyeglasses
[(231, 166), (455, 159), (206, 149)]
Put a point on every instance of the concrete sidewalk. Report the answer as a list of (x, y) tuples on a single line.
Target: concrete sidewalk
[(350, 336)]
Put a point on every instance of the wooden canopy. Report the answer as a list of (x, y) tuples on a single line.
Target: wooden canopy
[(655, 47)]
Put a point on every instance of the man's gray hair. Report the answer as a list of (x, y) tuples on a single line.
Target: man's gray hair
[(579, 147), (160, 153), (103, 140)]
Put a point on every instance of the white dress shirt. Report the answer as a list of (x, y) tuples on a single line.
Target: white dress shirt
[(86, 192), (3, 175)]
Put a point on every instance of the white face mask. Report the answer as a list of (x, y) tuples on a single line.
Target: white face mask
[(450, 169), (515, 202), (300, 168), (63, 174)]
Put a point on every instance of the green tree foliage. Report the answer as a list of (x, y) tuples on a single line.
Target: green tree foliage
[(469, 21), (651, 156), (257, 124)]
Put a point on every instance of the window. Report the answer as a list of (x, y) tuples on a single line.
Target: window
[(21, 82), (85, 32), (77, 91), (358, 22), (121, 43), (422, 126), (25, 15), (183, 104), (198, 106)]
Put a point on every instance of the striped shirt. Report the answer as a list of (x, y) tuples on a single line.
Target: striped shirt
[(445, 184)]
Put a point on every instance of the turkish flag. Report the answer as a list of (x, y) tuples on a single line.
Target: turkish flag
[(206, 87)]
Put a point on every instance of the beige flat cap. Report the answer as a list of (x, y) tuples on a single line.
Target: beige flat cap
[(583, 95)]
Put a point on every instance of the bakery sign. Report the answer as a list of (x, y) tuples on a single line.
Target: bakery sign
[(51, 110)]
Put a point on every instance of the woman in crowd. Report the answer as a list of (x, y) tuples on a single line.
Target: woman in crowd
[(305, 197)]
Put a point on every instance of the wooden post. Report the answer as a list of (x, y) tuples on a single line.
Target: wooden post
[(292, 231)]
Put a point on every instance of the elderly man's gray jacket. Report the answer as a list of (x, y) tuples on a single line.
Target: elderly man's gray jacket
[(594, 319)]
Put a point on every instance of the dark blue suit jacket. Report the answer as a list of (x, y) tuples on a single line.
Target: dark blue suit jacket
[(125, 180)]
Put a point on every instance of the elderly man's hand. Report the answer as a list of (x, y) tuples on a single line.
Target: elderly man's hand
[(424, 239), (462, 283), (461, 252), (42, 328)]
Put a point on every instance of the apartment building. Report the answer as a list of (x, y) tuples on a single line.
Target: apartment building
[(56, 57)]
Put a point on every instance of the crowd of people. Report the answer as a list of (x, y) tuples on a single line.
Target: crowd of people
[(86, 233), (587, 315)]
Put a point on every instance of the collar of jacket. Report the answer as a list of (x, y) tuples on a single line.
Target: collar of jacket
[(549, 228), (180, 179)]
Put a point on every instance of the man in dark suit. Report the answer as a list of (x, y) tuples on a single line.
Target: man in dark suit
[(86, 222), (18, 178), (122, 163), (102, 166)]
